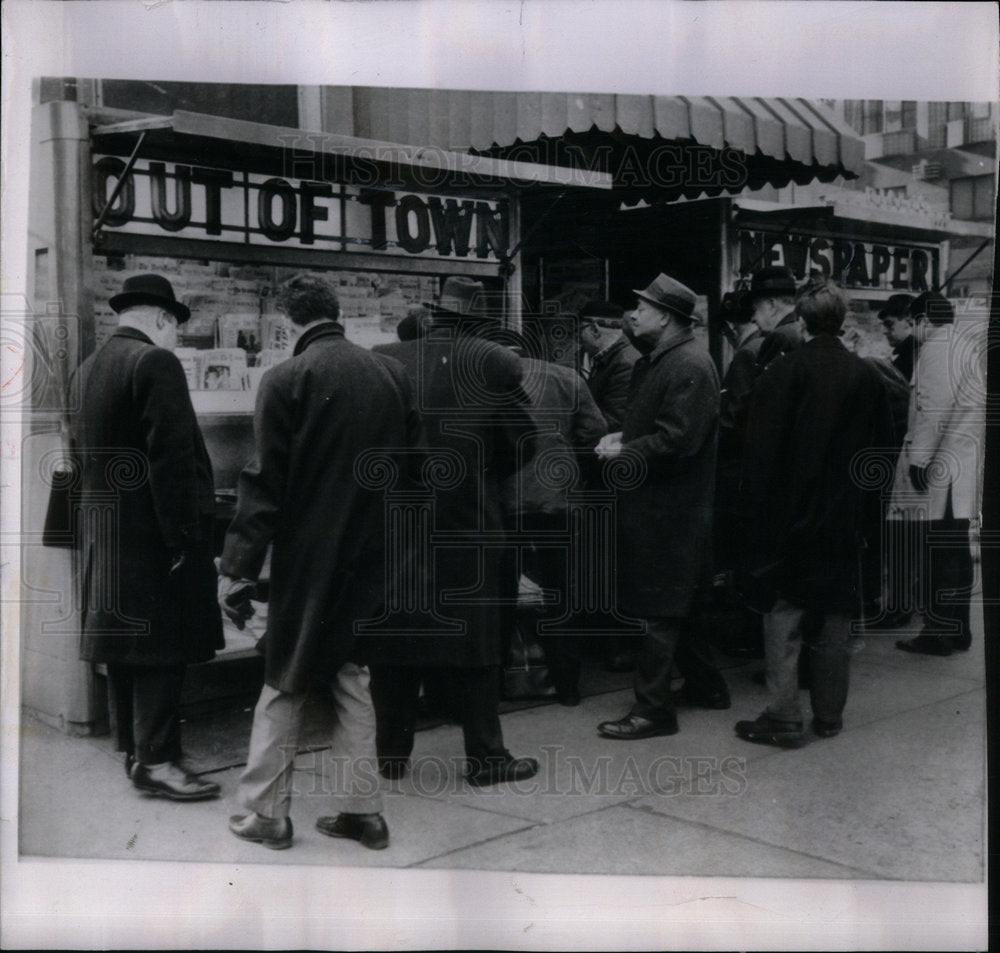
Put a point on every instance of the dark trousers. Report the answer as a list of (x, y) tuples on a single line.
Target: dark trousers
[(396, 688), (948, 576), (146, 700), (667, 641)]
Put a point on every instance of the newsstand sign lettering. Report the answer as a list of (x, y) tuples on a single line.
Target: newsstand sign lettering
[(851, 263), (223, 205)]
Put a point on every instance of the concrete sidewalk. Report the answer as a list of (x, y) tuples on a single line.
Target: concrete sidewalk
[(898, 795)]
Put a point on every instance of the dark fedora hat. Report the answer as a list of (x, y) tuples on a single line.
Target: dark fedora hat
[(775, 281), (897, 306), (668, 293), (149, 289), (461, 297)]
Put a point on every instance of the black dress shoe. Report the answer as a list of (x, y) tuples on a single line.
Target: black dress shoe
[(129, 764), (961, 643), (172, 781), (369, 830), (570, 698), (499, 770), (926, 645), (272, 832), (635, 726), (718, 699), (827, 729), (767, 730)]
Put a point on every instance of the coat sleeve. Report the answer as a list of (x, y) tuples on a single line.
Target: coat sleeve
[(685, 418), (589, 424), (514, 424), (766, 462), (263, 482), (168, 427), (616, 393), (934, 402)]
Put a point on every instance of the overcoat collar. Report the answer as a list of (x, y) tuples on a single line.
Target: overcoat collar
[(127, 332), (328, 329), (824, 341), (673, 338), (613, 348)]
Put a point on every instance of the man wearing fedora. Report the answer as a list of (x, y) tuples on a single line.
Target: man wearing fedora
[(772, 300), (611, 358), (475, 410), (147, 577), (664, 511)]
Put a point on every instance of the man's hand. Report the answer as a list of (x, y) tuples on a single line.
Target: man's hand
[(234, 599), (918, 477), (610, 445)]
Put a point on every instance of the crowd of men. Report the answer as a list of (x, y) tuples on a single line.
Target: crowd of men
[(772, 482)]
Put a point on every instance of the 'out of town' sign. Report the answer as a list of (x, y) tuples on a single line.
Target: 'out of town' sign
[(850, 262), (223, 205)]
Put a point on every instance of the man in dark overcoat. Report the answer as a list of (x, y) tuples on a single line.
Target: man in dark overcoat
[(664, 522), (146, 507), (305, 492), (819, 417), (475, 412), (611, 358), (772, 300)]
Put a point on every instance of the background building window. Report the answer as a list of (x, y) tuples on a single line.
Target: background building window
[(908, 114), (973, 197), (873, 117)]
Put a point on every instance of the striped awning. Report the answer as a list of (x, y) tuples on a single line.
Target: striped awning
[(777, 140)]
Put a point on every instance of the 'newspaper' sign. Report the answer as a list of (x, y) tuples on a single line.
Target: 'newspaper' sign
[(223, 205), (851, 263)]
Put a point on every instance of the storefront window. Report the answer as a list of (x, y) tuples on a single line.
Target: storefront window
[(235, 332)]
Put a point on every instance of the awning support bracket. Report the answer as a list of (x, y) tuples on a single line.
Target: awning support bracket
[(122, 179), (962, 267), (507, 261)]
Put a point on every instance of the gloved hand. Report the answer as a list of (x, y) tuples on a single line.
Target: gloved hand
[(234, 599), (918, 477)]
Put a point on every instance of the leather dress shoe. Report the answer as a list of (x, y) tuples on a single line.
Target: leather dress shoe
[(926, 645), (369, 830), (768, 730), (172, 781), (635, 726), (827, 729), (499, 769), (272, 832), (718, 699)]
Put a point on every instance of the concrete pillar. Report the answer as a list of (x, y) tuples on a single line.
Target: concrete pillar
[(59, 331)]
